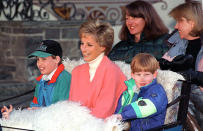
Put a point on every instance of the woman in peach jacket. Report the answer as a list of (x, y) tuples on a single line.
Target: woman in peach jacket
[(98, 83)]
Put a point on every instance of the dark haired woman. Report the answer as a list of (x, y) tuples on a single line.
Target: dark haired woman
[(142, 31)]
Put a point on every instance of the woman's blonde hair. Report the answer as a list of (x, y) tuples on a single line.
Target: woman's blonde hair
[(102, 31), (191, 11), (144, 62)]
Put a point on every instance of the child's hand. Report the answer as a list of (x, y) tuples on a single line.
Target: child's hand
[(114, 116), (5, 111), (118, 116), (32, 108)]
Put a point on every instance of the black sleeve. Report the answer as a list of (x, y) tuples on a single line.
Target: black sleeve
[(195, 77), (179, 63)]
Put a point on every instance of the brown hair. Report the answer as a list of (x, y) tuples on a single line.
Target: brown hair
[(154, 26), (144, 62), (54, 57), (191, 11), (102, 31)]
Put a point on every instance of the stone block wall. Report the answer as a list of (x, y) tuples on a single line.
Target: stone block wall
[(11, 89), (18, 39)]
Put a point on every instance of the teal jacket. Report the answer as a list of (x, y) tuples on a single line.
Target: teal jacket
[(126, 50), (49, 92)]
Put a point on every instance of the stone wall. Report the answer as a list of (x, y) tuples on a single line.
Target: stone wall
[(18, 39), (12, 89)]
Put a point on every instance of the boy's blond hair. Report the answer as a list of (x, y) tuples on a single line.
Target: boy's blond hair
[(144, 62)]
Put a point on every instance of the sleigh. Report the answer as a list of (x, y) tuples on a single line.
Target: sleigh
[(65, 116)]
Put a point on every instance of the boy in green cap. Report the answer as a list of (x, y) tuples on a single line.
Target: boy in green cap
[(53, 84)]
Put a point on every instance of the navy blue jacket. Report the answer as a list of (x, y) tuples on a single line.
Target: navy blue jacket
[(156, 94)]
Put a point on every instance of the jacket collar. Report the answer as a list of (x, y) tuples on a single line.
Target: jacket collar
[(131, 38), (144, 88), (55, 76)]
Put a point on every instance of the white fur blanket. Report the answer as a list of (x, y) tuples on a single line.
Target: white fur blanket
[(62, 116), (70, 116)]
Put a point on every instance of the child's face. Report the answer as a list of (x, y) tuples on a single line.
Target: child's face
[(47, 64), (143, 78)]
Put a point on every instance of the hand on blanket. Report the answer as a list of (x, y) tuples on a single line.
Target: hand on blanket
[(6, 111), (32, 108), (118, 116)]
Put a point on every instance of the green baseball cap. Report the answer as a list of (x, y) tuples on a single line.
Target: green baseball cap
[(47, 48), (39, 54)]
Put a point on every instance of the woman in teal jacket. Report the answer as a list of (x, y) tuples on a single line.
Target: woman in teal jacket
[(142, 32)]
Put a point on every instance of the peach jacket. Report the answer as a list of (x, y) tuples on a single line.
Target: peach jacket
[(102, 93)]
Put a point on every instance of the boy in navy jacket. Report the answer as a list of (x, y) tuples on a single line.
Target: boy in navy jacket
[(144, 103)]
